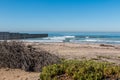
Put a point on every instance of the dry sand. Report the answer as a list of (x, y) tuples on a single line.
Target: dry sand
[(17, 74), (68, 51), (109, 53)]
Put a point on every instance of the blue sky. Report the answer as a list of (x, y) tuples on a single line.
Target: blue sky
[(60, 15)]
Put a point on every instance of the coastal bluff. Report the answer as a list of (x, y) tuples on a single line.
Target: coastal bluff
[(11, 36)]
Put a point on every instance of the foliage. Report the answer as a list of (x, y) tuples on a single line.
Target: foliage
[(16, 55), (81, 70)]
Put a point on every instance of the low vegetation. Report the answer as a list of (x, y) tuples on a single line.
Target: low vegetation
[(106, 57), (81, 70), (18, 55)]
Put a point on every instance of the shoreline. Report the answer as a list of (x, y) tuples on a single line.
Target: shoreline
[(92, 43)]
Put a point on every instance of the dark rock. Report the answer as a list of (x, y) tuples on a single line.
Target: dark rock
[(106, 45)]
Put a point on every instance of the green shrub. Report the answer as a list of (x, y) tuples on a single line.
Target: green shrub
[(81, 70)]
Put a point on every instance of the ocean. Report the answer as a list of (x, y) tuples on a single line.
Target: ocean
[(79, 37)]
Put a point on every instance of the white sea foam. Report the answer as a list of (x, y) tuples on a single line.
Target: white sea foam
[(59, 37), (51, 39), (42, 40), (96, 41), (74, 39)]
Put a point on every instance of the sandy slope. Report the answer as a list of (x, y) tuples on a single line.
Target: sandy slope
[(68, 51)]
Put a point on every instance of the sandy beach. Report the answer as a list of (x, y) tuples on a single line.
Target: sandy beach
[(104, 52), (100, 52), (17, 74)]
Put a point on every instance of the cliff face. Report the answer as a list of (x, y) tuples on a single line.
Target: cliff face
[(10, 36)]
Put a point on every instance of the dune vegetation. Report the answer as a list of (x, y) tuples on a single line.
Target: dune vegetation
[(17, 55), (81, 70)]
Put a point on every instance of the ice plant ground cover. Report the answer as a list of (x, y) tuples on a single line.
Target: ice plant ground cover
[(81, 70)]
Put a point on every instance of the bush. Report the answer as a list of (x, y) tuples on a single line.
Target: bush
[(18, 55), (81, 70)]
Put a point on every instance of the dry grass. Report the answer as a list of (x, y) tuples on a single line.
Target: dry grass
[(17, 55)]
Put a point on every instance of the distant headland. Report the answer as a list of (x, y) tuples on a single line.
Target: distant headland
[(11, 36)]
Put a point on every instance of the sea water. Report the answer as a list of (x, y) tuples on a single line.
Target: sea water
[(79, 37)]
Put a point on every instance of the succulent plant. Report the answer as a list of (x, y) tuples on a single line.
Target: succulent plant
[(81, 70)]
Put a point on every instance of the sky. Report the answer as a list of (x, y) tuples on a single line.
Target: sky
[(60, 15)]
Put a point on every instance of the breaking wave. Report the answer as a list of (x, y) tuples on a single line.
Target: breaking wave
[(113, 38)]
